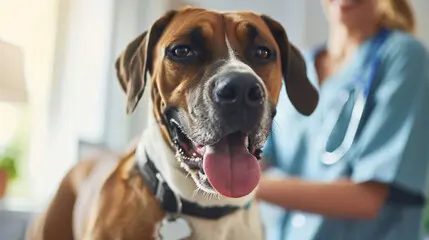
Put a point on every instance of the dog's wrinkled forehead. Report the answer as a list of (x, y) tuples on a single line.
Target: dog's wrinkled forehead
[(222, 41), (211, 27)]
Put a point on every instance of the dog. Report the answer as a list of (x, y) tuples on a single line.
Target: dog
[(215, 82)]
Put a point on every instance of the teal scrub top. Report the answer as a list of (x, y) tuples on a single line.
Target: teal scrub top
[(392, 145)]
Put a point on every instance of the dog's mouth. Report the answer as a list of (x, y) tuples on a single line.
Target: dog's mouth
[(229, 167)]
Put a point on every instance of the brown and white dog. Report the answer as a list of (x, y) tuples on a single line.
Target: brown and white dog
[(216, 79)]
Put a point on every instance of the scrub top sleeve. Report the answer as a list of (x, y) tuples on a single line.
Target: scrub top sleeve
[(394, 143)]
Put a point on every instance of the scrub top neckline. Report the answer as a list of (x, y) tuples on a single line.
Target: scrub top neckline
[(344, 72)]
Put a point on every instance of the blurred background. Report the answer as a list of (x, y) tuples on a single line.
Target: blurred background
[(59, 96)]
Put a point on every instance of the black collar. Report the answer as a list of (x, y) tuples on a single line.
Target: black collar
[(173, 204)]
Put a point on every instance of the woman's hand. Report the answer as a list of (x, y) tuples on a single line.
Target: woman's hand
[(341, 198)]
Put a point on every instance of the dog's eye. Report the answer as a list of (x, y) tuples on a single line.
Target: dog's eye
[(262, 52), (182, 51)]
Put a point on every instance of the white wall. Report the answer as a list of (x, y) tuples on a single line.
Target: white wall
[(32, 26), (422, 10), (78, 89)]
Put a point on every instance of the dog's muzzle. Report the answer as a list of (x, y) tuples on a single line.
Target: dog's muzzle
[(231, 123)]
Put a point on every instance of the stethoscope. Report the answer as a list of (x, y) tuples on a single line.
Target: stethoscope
[(360, 89)]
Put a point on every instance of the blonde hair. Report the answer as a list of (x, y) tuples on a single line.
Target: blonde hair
[(398, 14)]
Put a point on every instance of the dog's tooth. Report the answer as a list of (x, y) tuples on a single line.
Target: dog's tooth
[(246, 142)]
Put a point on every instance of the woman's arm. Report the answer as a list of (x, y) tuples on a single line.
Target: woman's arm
[(342, 198)]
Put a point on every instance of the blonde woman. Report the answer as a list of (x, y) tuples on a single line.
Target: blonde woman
[(356, 168)]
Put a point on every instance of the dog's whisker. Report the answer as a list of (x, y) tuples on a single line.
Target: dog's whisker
[(206, 195), (215, 196), (211, 196), (195, 193)]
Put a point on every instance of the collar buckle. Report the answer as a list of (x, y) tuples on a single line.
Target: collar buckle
[(159, 191)]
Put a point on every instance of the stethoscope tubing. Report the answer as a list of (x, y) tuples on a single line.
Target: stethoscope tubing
[(362, 90)]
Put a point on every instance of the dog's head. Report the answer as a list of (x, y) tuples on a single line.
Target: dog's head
[(216, 79)]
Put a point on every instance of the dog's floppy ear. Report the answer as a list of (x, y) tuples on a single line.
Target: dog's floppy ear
[(301, 92), (134, 63)]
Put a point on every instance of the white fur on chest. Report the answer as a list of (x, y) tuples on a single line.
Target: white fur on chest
[(243, 224)]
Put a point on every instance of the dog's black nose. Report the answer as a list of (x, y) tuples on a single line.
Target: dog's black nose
[(238, 89)]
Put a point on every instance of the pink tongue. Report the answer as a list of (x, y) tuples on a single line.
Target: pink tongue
[(230, 168)]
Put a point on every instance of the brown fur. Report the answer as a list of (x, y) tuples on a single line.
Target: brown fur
[(127, 208)]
